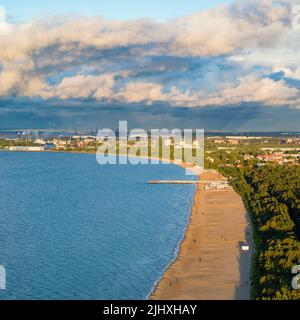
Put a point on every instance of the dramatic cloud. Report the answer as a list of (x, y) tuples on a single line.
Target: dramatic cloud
[(252, 89), (224, 56), (80, 86)]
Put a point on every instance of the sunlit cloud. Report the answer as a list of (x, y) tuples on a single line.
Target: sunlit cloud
[(218, 57)]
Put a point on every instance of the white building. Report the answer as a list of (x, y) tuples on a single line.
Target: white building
[(40, 141), (26, 148)]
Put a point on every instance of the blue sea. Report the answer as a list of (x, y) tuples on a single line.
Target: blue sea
[(73, 229)]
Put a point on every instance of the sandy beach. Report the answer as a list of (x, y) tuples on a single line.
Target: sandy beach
[(210, 264)]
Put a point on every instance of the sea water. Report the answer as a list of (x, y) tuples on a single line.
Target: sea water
[(73, 229)]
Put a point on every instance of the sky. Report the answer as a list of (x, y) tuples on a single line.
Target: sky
[(218, 65), (111, 9)]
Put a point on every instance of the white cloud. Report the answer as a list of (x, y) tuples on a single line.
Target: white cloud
[(252, 89), (78, 57), (79, 86), (9, 81)]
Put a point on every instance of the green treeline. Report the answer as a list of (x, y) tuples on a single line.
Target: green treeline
[(272, 197)]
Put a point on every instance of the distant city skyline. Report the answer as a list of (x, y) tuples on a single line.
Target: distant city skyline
[(217, 65)]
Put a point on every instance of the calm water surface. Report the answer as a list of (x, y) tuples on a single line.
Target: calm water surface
[(72, 229)]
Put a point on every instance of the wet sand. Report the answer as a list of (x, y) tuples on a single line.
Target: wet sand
[(210, 264)]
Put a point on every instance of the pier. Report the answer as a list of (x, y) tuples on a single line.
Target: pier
[(214, 185), (182, 182)]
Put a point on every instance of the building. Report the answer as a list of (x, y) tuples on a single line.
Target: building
[(233, 141), (275, 157), (26, 148), (217, 185), (60, 144), (39, 141), (219, 141), (293, 141), (248, 157)]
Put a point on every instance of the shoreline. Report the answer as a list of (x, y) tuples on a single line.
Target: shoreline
[(184, 165), (199, 271), (151, 295), (178, 246)]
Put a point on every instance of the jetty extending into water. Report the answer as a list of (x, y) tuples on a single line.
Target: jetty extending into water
[(208, 185), (180, 182)]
